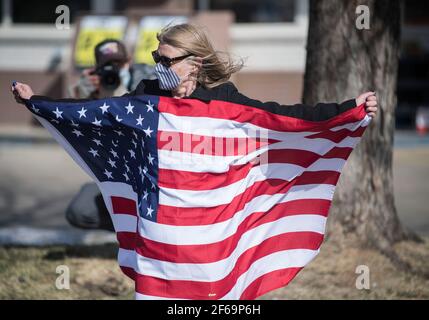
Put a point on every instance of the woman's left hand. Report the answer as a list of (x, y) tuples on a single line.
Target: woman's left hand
[(370, 100), (21, 91)]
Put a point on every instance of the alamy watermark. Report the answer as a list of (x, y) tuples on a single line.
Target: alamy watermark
[(63, 20), (363, 280), (62, 282), (363, 17)]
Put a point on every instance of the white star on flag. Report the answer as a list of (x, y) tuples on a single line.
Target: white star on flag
[(140, 120), (126, 176), (74, 124), (77, 132), (93, 152), (112, 163), (58, 113), (96, 122), (149, 106), (34, 108), (82, 112), (149, 211), (114, 153), (150, 159), (119, 132), (108, 174), (98, 142), (104, 108), (148, 132), (129, 108), (145, 194)]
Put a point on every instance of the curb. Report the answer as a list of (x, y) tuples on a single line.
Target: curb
[(27, 236)]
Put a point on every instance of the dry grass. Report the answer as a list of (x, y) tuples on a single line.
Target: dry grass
[(29, 273), (332, 274)]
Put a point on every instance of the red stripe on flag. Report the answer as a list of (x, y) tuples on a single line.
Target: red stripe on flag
[(338, 152), (124, 206), (129, 272), (337, 136), (189, 289), (268, 282), (246, 114), (127, 240)]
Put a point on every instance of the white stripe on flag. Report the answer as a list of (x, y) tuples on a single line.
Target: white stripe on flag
[(124, 222)]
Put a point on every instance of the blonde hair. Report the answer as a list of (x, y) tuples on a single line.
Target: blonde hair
[(215, 69)]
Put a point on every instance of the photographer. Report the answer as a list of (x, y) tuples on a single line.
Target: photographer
[(113, 75)]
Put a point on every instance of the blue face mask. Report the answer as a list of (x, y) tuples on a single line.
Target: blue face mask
[(125, 76), (167, 78)]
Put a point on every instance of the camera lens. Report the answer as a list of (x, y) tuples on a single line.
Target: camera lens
[(109, 77)]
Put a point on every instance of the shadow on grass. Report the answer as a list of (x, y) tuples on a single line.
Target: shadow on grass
[(105, 251)]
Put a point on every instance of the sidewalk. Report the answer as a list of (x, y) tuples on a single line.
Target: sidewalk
[(39, 179)]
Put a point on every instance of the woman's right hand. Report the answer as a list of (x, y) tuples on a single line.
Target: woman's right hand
[(187, 67), (22, 91), (187, 70)]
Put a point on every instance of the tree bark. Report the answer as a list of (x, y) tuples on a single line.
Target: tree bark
[(343, 62)]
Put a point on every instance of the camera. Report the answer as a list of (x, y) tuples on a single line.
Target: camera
[(109, 76)]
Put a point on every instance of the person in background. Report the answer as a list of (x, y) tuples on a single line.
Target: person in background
[(113, 75)]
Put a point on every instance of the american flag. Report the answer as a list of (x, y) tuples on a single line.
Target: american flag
[(209, 200)]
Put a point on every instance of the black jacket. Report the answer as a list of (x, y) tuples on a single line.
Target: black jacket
[(228, 92)]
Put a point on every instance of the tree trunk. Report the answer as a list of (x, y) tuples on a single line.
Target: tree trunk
[(343, 62)]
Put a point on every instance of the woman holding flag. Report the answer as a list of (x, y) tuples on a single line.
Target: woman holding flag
[(193, 221)]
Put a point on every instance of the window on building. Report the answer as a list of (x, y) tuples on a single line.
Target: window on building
[(253, 11)]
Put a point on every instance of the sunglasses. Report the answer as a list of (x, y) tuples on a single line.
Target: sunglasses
[(168, 62)]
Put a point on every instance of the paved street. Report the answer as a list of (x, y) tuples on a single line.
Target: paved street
[(39, 179)]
